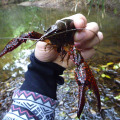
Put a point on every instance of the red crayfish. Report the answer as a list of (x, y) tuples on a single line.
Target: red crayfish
[(61, 35)]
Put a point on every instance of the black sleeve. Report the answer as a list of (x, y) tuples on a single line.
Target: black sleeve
[(42, 77)]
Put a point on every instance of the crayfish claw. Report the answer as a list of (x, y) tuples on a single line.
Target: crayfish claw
[(93, 85), (85, 80), (14, 43), (96, 92), (81, 101)]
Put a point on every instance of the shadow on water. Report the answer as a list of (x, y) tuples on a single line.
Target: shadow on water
[(15, 20)]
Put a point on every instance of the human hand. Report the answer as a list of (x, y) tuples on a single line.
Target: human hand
[(84, 40)]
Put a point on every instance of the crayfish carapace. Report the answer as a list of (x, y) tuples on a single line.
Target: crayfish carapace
[(61, 36)]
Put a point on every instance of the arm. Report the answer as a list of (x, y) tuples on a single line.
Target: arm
[(36, 98)]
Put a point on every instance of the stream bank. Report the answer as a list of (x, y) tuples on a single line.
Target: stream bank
[(106, 5)]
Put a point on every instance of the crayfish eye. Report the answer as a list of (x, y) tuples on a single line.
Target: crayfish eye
[(54, 27), (45, 30)]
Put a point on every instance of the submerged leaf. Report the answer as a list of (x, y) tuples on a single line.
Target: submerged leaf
[(74, 115), (11, 89), (117, 97), (115, 67), (96, 69), (119, 64), (89, 92), (103, 67), (110, 63), (93, 112), (7, 84), (62, 114), (107, 76), (67, 88), (104, 75), (106, 99)]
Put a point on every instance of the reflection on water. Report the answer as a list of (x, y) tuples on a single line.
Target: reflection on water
[(16, 20)]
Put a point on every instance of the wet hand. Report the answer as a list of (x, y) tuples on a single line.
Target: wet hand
[(85, 40)]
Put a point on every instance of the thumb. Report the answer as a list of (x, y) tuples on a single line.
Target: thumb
[(44, 52)]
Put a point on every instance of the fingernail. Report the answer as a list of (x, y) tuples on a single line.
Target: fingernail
[(100, 35), (79, 36)]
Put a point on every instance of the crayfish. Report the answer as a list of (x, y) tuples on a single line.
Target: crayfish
[(61, 36)]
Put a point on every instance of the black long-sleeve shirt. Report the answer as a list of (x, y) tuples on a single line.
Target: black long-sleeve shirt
[(36, 99)]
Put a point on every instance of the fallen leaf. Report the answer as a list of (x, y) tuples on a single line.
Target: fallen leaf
[(62, 114), (93, 112), (74, 115), (117, 97), (11, 89), (110, 63), (115, 67)]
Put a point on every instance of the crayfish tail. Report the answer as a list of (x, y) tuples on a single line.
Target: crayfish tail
[(81, 101)]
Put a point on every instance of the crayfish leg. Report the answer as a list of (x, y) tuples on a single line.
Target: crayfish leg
[(49, 43), (63, 54)]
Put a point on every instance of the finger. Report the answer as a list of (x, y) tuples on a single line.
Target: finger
[(90, 43), (88, 53), (88, 33), (80, 20)]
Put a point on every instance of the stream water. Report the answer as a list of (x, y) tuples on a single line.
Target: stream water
[(16, 20)]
